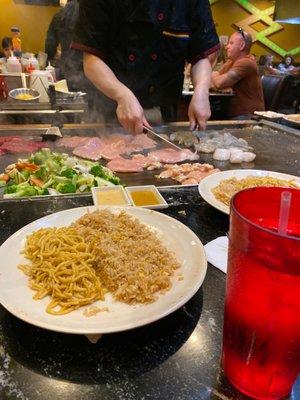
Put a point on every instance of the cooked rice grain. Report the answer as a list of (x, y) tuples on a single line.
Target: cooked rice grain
[(132, 262), (228, 187)]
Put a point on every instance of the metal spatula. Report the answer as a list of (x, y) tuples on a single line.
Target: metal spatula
[(156, 136)]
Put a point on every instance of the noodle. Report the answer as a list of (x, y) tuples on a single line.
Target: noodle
[(228, 187), (62, 267), (100, 252)]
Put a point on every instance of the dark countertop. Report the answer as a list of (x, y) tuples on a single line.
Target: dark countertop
[(174, 358)]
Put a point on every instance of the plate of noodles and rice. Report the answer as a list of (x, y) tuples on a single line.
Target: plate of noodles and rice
[(92, 270), (219, 188)]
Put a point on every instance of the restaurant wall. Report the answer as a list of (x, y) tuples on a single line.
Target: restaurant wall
[(33, 21), (228, 14)]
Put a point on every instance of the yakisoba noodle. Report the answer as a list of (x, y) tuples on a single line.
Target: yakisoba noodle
[(62, 266), (100, 252)]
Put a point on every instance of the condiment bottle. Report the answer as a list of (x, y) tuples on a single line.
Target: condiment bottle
[(51, 69), (30, 68), (34, 62), (13, 64)]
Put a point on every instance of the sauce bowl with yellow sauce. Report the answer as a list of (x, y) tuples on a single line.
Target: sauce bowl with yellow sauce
[(110, 196), (146, 196), (24, 94)]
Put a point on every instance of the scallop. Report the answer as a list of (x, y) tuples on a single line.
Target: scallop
[(236, 157), (221, 154), (248, 156)]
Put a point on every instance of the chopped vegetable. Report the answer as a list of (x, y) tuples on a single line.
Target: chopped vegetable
[(47, 172), (66, 188)]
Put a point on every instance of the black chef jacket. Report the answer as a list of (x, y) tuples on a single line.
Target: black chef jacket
[(147, 42)]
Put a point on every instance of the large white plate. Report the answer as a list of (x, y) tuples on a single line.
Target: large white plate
[(293, 118), (16, 296), (211, 181)]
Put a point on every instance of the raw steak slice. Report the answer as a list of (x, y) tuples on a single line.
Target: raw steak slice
[(121, 164), (72, 142), (21, 146), (2, 152), (171, 156), (139, 143), (114, 149), (4, 139), (90, 150)]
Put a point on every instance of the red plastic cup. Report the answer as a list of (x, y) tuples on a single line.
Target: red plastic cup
[(261, 339)]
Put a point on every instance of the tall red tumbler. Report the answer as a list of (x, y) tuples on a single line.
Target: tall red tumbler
[(261, 338)]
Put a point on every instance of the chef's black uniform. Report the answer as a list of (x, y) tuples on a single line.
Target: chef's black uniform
[(146, 42)]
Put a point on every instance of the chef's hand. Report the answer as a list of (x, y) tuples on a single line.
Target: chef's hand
[(199, 110), (130, 113)]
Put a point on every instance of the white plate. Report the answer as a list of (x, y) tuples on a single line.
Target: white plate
[(293, 118), (16, 296), (211, 181)]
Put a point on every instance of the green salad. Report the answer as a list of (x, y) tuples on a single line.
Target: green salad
[(46, 172)]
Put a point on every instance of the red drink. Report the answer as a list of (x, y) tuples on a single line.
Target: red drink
[(261, 342)]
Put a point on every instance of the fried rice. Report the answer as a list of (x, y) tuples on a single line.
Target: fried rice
[(132, 263), (228, 187)]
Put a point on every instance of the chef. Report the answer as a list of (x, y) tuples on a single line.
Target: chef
[(135, 52)]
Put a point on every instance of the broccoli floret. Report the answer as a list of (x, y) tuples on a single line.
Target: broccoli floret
[(40, 191), (68, 173), (114, 179), (27, 191), (22, 190), (10, 189), (105, 173), (66, 188), (41, 173), (97, 170)]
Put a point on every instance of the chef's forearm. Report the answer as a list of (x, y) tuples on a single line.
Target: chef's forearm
[(201, 76), (99, 73)]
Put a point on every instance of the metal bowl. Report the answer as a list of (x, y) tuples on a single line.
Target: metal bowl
[(32, 92)]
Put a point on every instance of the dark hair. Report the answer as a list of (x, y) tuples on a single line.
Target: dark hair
[(6, 42), (288, 56)]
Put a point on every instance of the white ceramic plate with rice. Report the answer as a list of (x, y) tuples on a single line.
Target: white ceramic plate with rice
[(210, 182), (16, 296)]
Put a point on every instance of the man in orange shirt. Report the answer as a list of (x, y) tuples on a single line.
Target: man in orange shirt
[(240, 73)]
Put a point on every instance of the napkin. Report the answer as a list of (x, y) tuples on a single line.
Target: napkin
[(217, 251)]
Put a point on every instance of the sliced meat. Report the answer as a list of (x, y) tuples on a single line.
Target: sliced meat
[(139, 143), (17, 146), (171, 156), (2, 152), (121, 164), (72, 142), (4, 139), (90, 150), (114, 149)]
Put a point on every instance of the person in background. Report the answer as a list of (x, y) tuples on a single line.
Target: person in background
[(7, 47), (135, 52), (286, 66), (59, 34), (265, 65), (7, 50), (240, 73)]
